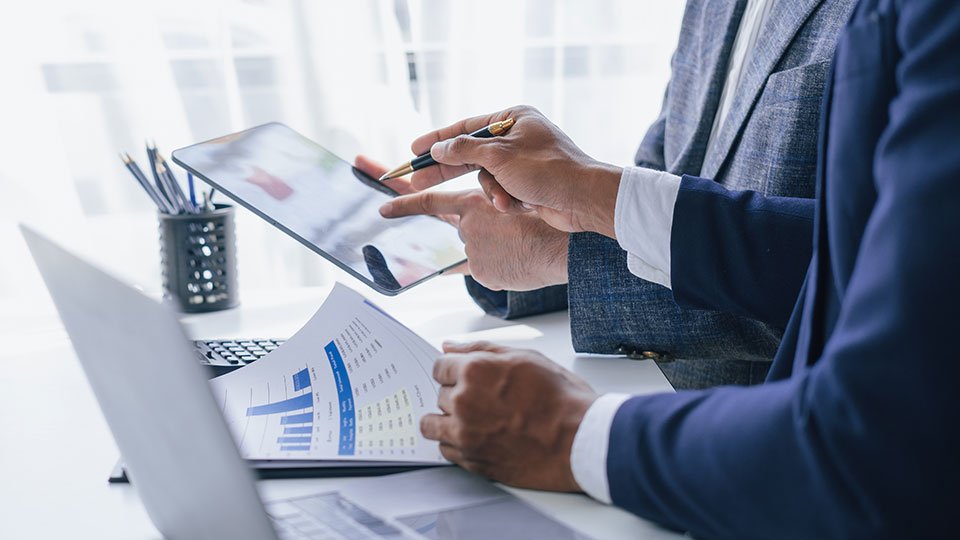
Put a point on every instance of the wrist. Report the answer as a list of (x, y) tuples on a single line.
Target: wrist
[(556, 272), (545, 251), (573, 418), (589, 453), (595, 209)]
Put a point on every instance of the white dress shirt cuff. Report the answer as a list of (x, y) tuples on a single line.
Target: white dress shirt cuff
[(588, 456), (643, 221)]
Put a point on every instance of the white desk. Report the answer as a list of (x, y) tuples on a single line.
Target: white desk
[(56, 450)]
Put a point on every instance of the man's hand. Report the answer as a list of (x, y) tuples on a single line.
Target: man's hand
[(509, 414), (533, 167), (504, 251)]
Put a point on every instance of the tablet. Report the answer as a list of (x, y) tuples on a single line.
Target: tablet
[(326, 204)]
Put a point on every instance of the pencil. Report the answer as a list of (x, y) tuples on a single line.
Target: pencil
[(193, 193), (144, 183), (161, 181), (172, 182)]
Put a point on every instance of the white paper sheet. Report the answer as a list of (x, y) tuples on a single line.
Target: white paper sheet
[(352, 384)]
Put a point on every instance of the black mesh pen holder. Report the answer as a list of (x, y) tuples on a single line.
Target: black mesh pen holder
[(198, 259)]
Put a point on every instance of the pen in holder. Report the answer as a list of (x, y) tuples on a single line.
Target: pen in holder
[(198, 259)]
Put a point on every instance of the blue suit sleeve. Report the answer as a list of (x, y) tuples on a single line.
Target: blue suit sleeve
[(739, 251), (862, 444)]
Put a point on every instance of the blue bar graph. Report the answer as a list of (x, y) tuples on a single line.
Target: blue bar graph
[(305, 418), (345, 394), (295, 414), (293, 440), (293, 404), (301, 380)]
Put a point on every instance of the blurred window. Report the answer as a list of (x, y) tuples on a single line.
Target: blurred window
[(84, 80)]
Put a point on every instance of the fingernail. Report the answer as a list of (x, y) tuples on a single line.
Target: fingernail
[(439, 149), (526, 206), (386, 209)]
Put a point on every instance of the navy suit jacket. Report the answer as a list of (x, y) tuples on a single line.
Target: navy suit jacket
[(855, 434)]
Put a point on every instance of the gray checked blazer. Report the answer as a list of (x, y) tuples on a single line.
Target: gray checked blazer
[(767, 144)]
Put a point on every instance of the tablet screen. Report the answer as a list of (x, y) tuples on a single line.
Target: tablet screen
[(325, 203)]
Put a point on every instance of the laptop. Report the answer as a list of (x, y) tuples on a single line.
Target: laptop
[(178, 450), (182, 459)]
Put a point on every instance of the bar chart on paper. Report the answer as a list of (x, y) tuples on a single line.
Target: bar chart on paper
[(292, 417), (353, 388), (359, 415)]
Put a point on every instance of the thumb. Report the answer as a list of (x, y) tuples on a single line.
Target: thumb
[(465, 150)]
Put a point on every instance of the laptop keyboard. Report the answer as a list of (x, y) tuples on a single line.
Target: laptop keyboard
[(329, 516), (223, 355)]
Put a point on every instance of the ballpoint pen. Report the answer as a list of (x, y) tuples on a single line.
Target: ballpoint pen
[(425, 160)]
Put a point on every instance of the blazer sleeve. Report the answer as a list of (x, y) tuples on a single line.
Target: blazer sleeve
[(739, 251), (513, 304), (613, 311), (650, 153), (862, 444)]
